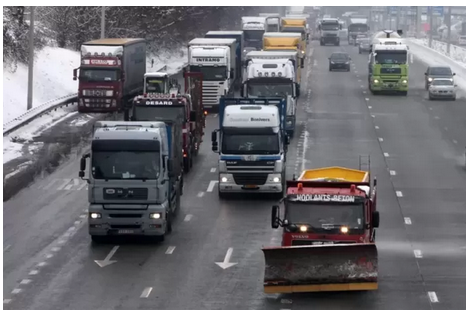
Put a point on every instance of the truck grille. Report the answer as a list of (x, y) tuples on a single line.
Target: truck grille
[(125, 226), (121, 215), (125, 193), (250, 178), (318, 242), (211, 94)]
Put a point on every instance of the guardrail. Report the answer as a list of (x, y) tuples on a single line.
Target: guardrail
[(38, 111), (456, 53)]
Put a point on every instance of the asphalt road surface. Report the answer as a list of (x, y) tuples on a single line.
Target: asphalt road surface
[(414, 144)]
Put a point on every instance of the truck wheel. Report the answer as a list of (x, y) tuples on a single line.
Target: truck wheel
[(169, 222), (186, 164), (321, 43), (404, 93), (98, 239), (337, 43), (222, 195), (359, 51)]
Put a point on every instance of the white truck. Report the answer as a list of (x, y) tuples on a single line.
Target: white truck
[(160, 83), (216, 60), (253, 146), (253, 28), (272, 74), (273, 21)]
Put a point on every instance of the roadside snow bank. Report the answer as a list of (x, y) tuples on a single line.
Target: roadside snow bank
[(173, 60), (456, 53), (53, 78), (432, 57)]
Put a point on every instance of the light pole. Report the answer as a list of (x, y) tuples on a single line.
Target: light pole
[(430, 39), (448, 24), (103, 22), (31, 57)]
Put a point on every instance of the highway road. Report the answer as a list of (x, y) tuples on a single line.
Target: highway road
[(414, 144)]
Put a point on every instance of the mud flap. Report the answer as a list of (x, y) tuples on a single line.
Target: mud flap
[(334, 267)]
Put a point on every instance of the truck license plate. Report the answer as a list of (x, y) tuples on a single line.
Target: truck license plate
[(126, 231), (251, 186)]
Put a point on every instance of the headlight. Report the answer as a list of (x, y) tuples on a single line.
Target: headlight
[(344, 229), (109, 93), (224, 179), (430, 79), (404, 81), (95, 215), (332, 62), (451, 80), (375, 81), (288, 122), (276, 179), (155, 216), (303, 228), (346, 62)]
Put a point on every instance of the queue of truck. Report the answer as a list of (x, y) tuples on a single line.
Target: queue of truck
[(136, 167)]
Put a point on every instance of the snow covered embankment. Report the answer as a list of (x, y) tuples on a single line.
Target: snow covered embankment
[(437, 56)]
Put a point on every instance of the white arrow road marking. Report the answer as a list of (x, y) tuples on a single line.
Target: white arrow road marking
[(433, 297), (146, 292), (107, 261), (211, 186), (226, 264)]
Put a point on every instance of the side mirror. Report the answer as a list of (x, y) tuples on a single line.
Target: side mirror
[(81, 174), (275, 217), (453, 74), (375, 219), (426, 73), (455, 85), (75, 74), (287, 139), (214, 136), (231, 75), (297, 89), (302, 63), (122, 77), (242, 90), (193, 116), (215, 147), (82, 163), (374, 182)]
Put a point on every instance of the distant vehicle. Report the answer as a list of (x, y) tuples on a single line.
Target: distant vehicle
[(364, 45), (339, 60), (434, 72), (359, 38), (442, 88), (461, 40)]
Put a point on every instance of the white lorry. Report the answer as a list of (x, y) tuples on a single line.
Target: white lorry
[(253, 28), (273, 21), (216, 60), (272, 74), (160, 83)]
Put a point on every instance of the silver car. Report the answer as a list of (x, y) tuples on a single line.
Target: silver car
[(442, 88)]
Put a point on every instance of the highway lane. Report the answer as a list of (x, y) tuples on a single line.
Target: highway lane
[(336, 127), (423, 158)]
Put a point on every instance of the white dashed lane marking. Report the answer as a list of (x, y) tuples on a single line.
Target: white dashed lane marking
[(200, 194), (386, 154), (433, 297), (170, 250), (418, 253), (188, 217), (146, 292), (213, 170), (211, 186), (392, 172), (407, 221), (399, 194), (380, 139)]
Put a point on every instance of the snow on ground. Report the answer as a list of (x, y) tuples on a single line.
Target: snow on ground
[(53, 78), (14, 143)]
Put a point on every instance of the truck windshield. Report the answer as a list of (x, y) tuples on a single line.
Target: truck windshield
[(158, 113), (269, 90), (125, 165), (322, 216), (250, 144), (358, 28), (155, 85), (211, 73), (391, 58), (253, 35), (98, 75)]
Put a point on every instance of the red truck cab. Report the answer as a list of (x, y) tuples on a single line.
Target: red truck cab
[(110, 74), (323, 212)]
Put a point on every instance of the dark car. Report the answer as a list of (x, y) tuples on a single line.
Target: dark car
[(339, 60), (434, 72)]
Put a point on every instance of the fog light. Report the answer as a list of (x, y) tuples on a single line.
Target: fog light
[(95, 215)]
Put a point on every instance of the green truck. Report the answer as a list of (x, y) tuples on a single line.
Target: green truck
[(388, 69)]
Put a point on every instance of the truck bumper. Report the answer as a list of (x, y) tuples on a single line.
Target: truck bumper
[(89, 105), (227, 184), (126, 222), (388, 87)]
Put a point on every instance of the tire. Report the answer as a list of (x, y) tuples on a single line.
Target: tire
[(191, 160), (426, 86), (186, 164), (221, 195), (453, 99), (330, 68), (169, 222), (98, 239), (321, 43), (404, 93), (430, 98), (359, 51)]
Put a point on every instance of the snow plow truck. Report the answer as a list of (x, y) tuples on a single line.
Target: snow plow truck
[(328, 239)]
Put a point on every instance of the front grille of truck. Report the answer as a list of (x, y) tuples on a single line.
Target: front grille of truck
[(310, 242), (125, 226), (112, 193), (330, 35), (122, 215), (210, 94), (250, 178)]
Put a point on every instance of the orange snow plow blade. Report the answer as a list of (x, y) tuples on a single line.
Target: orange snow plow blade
[(334, 267)]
